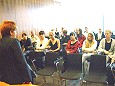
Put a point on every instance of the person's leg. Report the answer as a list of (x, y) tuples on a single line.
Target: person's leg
[(85, 63)]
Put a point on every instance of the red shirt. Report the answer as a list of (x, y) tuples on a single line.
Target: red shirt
[(73, 48), (81, 39)]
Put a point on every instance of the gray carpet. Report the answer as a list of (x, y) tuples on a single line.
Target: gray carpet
[(57, 82)]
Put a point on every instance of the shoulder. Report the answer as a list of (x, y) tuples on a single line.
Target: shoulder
[(57, 39), (113, 40), (103, 39)]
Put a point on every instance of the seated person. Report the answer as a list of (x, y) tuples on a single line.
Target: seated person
[(33, 38), (53, 43), (64, 39), (80, 36), (99, 36), (88, 48), (107, 46), (42, 41), (26, 43), (40, 47), (73, 44)]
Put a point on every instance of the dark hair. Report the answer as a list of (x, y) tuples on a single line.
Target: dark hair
[(6, 27), (24, 34), (80, 32), (73, 33), (65, 31), (41, 32)]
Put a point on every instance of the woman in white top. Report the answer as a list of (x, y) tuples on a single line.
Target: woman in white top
[(88, 48), (42, 41)]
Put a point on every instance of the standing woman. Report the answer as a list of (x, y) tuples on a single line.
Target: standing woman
[(13, 66), (53, 43)]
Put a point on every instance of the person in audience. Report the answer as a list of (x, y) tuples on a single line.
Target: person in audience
[(86, 32), (42, 41), (73, 44), (81, 38), (65, 39), (99, 36), (26, 43), (61, 32), (13, 66), (33, 38), (107, 46), (53, 43), (57, 33), (88, 49)]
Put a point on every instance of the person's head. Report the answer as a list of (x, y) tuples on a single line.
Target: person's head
[(73, 36), (32, 32), (8, 28), (41, 34), (24, 36), (100, 31), (65, 32), (108, 34), (90, 37), (90, 40), (79, 31), (51, 35)]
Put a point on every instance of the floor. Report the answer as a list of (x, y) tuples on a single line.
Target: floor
[(49, 81)]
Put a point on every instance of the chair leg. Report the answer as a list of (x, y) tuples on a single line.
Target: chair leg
[(34, 66), (65, 82), (44, 78), (53, 79)]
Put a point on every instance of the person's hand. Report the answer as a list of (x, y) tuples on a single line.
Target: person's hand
[(51, 50), (47, 47), (106, 52), (67, 51), (113, 60)]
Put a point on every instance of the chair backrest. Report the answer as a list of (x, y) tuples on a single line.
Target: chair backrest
[(50, 58), (35, 55), (98, 63), (74, 61)]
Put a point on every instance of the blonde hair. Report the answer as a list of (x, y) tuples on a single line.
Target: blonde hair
[(88, 43), (108, 31)]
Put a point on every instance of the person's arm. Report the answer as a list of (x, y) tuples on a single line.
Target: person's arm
[(21, 61), (91, 49), (75, 48), (100, 47)]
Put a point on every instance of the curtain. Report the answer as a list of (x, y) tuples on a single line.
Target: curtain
[(20, 11)]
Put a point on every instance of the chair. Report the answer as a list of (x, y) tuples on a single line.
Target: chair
[(49, 67), (36, 57), (74, 68), (97, 70)]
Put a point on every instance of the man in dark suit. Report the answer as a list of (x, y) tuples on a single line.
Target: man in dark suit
[(13, 66)]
